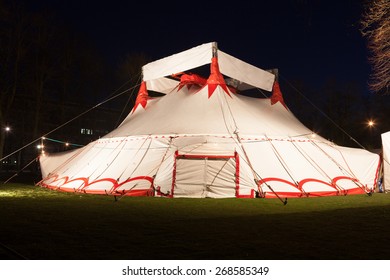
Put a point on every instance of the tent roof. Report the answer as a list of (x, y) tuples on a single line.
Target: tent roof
[(189, 111), (201, 55)]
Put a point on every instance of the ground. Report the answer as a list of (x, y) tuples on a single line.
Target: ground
[(42, 224)]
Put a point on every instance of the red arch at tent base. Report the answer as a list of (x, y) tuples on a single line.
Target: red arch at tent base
[(83, 188), (314, 194), (84, 184), (337, 190)]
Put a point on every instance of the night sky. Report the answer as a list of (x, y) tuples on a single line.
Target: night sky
[(310, 40), (314, 42)]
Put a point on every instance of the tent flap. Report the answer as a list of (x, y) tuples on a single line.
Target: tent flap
[(179, 62), (244, 72)]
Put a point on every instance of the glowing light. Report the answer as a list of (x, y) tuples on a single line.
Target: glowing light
[(7, 128), (67, 144), (371, 123)]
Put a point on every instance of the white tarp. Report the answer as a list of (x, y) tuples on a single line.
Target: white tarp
[(179, 62), (386, 160), (244, 72), (162, 85)]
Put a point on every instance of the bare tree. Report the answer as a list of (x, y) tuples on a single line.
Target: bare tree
[(376, 28)]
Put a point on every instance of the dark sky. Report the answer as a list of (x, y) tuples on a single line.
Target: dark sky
[(308, 40)]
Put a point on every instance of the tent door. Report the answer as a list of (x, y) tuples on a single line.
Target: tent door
[(205, 176)]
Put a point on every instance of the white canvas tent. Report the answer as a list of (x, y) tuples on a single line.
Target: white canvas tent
[(204, 139), (386, 161)]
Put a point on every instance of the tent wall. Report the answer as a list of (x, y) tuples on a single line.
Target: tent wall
[(386, 160)]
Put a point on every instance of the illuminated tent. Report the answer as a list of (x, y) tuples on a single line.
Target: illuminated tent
[(203, 138), (386, 160)]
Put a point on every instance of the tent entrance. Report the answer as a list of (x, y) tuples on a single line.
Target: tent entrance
[(205, 176)]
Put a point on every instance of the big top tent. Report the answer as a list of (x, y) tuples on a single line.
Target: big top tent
[(203, 138)]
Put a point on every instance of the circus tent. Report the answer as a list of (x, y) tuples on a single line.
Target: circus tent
[(203, 138)]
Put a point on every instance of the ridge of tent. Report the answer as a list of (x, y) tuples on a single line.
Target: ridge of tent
[(202, 55)]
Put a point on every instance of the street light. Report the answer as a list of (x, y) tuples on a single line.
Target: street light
[(371, 123)]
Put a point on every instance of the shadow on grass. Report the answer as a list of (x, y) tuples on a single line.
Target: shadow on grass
[(44, 225)]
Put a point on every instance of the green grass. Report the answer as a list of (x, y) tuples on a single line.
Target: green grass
[(40, 224)]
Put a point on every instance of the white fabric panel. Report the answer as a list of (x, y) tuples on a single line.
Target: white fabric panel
[(68, 171), (386, 160), (356, 163), (267, 166), (244, 72), (111, 161), (190, 178), (179, 62), (162, 85), (52, 162), (204, 177), (301, 167), (163, 180), (205, 145), (221, 179), (145, 160)]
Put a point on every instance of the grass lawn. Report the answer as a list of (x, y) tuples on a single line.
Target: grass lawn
[(40, 224)]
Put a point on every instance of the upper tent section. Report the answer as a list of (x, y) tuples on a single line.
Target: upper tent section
[(242, 73)]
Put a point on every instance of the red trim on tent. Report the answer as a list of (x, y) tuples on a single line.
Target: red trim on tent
[(204, 156), (85, 184), (142, 97), (265, 180), (337, 190), (277, 95), (377, 172), (133, 138), (302, 182), (314, 194), (237, 158), (237, 175), (147, 178), (174, 173), (60, 184), (216, 79)]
